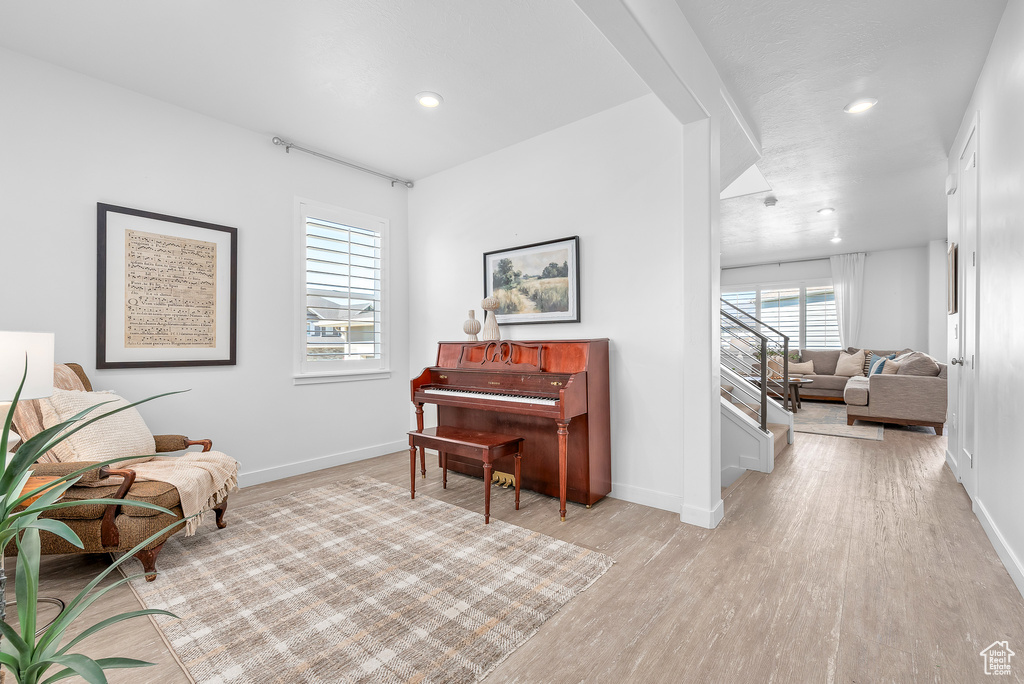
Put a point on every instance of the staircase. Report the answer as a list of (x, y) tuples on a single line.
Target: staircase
[(756, 427)]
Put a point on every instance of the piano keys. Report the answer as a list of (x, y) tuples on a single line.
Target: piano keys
[(553, 393)]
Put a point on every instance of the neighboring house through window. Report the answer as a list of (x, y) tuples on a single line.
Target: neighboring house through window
[(343, 329)]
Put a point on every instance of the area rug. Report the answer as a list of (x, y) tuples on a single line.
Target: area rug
[(354, 582), (828, 418)]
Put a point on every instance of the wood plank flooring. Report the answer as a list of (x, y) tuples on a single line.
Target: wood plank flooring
[(855, 561)]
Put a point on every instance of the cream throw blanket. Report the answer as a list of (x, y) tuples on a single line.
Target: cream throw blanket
[(203, 480)]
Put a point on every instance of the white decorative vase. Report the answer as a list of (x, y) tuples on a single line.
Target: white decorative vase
[(471, 327), (491, 331)]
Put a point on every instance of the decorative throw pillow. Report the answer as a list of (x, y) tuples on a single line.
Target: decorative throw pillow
[(919, 363), (121, 434), (801, 368), (850, 365), (878, 362), (891, 367)]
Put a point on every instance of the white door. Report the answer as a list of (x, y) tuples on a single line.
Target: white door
[(968, 257)]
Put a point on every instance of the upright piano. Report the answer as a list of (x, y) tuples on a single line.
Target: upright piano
[(553, 393)]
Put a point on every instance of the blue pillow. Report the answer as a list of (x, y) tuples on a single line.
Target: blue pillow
[(877, 362)]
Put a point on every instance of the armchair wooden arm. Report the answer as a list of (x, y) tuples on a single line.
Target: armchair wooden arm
[(165, 443), (109, 534)]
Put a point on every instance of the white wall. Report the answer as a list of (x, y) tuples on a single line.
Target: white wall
[(895, 312), (71, 141), (937, 300), (614, 179), (999, 100), (896, 295)]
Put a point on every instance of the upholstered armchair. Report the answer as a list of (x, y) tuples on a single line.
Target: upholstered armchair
[(110, 528)]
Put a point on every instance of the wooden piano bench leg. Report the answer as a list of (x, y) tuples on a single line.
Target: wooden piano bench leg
[(487, 491), (519, 458), (412, 472), (444, 469), (423, 461)]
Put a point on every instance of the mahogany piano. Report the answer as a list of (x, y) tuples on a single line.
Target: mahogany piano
[(553, 393)]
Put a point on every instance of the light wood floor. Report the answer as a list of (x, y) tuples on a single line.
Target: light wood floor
[(855, 561)]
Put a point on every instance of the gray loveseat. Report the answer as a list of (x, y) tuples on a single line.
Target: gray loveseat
[(903, 398)]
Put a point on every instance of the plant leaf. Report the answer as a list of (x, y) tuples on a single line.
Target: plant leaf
[(14, 639), (58, 528), (111, 621), (26, 582), (85, 667), (106, 664), (61, 623)]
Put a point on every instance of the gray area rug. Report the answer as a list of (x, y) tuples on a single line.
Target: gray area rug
[(829, 418), (353, 582)]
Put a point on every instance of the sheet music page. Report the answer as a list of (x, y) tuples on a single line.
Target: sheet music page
[(170, 291)]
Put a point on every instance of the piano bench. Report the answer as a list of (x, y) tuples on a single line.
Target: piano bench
[(479, 446)]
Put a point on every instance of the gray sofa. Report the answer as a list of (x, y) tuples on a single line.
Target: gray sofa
[(903, 399)]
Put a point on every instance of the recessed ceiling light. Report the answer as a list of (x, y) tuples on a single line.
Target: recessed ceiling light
[(858, 106), (827, 210), (837, 239), (429, 99)]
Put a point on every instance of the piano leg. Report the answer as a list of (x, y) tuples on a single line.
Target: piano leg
[(563, 444), (412, 472), (487, 491), (519, 458)]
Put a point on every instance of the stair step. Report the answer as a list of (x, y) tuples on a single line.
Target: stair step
[(780, 433)]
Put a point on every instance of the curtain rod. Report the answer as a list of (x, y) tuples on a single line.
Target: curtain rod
[(289, 146), (779, 263)]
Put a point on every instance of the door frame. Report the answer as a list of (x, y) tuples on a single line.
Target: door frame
[(968, 470)]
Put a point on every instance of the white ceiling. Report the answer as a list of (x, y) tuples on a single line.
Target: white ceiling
[(793, 64), (341, 76)]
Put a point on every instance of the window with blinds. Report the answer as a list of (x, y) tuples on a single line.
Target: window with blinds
[(806, 314), (343, 314), (821, 322), (781, 310)]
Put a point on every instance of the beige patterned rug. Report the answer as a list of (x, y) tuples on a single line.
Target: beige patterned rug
[(353, 582), (829, 418)]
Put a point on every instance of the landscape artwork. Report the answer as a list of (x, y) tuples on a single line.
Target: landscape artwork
[(536, 283)]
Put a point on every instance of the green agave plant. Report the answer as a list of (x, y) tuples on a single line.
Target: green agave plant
[(25, 656)]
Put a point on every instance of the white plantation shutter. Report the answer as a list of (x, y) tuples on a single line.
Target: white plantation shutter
[(344, 303), (822, 324), (806, 314), (781, 310)]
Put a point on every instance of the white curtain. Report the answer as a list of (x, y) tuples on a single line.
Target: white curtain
[(848, 284)]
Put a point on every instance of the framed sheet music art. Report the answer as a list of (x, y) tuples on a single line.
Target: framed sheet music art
[(165, 290)]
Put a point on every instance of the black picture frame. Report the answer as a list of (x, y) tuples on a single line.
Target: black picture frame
[(571, 245), (112, 273)]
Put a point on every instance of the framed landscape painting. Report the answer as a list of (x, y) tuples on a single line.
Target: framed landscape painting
[(538, 283)]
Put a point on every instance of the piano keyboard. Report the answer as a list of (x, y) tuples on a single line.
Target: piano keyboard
[(497, 396)]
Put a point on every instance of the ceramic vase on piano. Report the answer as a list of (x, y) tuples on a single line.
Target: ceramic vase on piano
[(491, 331), (471, 327)]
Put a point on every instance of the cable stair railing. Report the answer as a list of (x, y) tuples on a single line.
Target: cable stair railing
[(759, 354)]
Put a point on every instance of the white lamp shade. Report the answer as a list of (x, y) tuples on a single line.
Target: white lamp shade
[(14, 346)]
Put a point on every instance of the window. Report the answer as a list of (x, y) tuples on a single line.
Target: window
[(344, 303), (806, 313)]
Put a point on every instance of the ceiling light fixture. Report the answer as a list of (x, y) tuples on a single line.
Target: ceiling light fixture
[(429, 100), (858, 106), (770, 201), (827, 210), (837, 239)]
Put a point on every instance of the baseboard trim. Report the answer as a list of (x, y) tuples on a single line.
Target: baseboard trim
[(953, 465), (646, 497), (702, 517), (248, 479), (1003, 550)]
